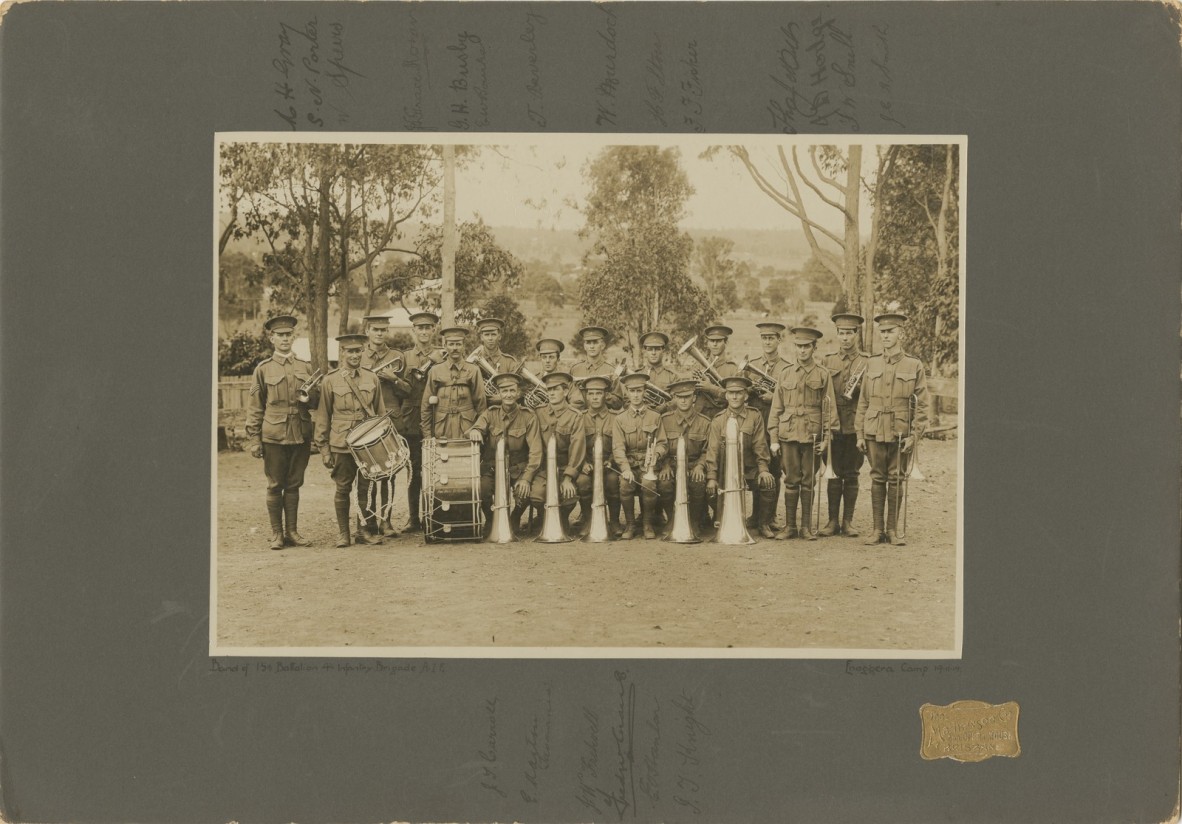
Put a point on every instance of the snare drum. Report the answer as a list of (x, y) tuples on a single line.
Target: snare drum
[(451, 491), (378, 449)]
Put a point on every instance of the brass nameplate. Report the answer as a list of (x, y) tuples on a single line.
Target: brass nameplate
[(969, 731)]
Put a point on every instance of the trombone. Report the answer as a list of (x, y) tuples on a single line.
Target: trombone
[(707, 366), (304, 393)]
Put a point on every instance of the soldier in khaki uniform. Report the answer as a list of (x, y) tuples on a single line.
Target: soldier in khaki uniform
[(418, 362), (594, 340), (490, 330), (281, 427), (523, 445), (351, 393), (453, 396), (884, 407), (636, 435), (770, 363), (570, 438), (380, 359), (683, 422), (549, 356), (654, 345), (799, 425), (756, 456), (847, 366), (711, 396), (597, 420)]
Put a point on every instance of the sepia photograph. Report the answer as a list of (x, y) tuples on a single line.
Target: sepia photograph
[(588, 396)]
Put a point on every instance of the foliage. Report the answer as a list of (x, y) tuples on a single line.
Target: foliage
[(637, 267), (544, 288), (714, 265), (822, 286), (917, 259), (240, 353), (515, 338), (777, 294)]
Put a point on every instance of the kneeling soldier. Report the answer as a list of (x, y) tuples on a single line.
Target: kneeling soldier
[(638, 444), (597, 420), (523, 445), (350, 395), (799, 424), (755, 457), (570, 439), (684, 422)]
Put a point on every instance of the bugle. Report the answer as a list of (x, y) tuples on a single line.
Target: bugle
[(501, 527), (763, 381), (538, 395), (435, 356), (553, 529), (707, 366), (682, 529), (395, 363), (732, 526), (304, 393), (598, 530)]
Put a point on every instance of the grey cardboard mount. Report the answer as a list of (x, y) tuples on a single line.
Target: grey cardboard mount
[(110, 708)]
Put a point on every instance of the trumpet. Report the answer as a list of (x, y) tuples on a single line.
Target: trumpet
[(764, 382), (304, 393), (538, 395), (707, 366), (501, 529), (650, 461), (433, 357), (553, 529), (597, 527), (851, 383), (732, 527), (682, 529)]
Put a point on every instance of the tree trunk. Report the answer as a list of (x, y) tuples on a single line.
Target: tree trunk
[(343, 289), (448, 263), (318, 310), (853, 243)]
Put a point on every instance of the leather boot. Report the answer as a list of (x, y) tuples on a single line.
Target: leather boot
[(366, 533), (412, 503), (626, 505), (806, 516), (564, 512), (877, 503), (834, 494), (584, 522), (756, 518), (341, 505), (515, 520), (892, 522), (791, 496), (291, 511), (275, 514), (648, 510), (766, 513), (849, 494)]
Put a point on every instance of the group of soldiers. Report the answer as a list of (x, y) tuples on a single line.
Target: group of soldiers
[(792, 415)]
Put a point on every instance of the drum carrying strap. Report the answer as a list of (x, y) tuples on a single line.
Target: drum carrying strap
[(372, 504)]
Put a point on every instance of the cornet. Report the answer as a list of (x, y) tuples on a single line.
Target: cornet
[(851, 383), (650, 461), (764, 382), (682, 529), (553, 529), (597, 527), (304, 393), (707, 366), (732, 527), (501, 529)]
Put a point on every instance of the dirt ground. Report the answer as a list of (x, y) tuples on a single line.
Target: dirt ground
[(830, 593)]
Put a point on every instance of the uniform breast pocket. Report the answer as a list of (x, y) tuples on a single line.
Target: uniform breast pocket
[(874, 379), (905, 379)]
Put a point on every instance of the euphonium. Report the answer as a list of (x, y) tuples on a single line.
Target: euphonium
[(682, 530), (476, 357), (655, 397), (764, 382), (553, 530), (304, 393), (707, 367), (501, 529), (852, 382), (538, 396), (732, 527), (597, 529)]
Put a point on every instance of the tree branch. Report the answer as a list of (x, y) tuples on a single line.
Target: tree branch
[(821, 172), (809, 183)]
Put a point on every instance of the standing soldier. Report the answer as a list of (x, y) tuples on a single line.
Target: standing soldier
[(638, 444), (490, 331), (418, 359), (380, 359), (711, 396), (523, 445), (597, 420), (570, 438), (654, 346), (454, 392), (281, 426), (594, 340), (549, 353), (769, 363), (892, 417), (350, 395), (847, 366), (755, 458), (799, 424), (683, 422)]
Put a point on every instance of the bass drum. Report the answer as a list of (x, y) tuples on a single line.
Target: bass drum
[(451, 491)]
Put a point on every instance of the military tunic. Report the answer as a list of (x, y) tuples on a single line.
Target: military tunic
[(695, 428), (756, 456), (661, 376), (394, 389), (280, 423), (883, 410), (602, 368), (796, 421), (847, 458), (341, 408), (711, 398), (598, 423), (460, 390), (523, 447), (570, 438)]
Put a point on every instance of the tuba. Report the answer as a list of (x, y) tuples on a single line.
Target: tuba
[(763, 381), (707, 367), (553, 530), (501, 530), (597, 527), (732, 526), (682, 529), (304, 393), (538, 396)]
